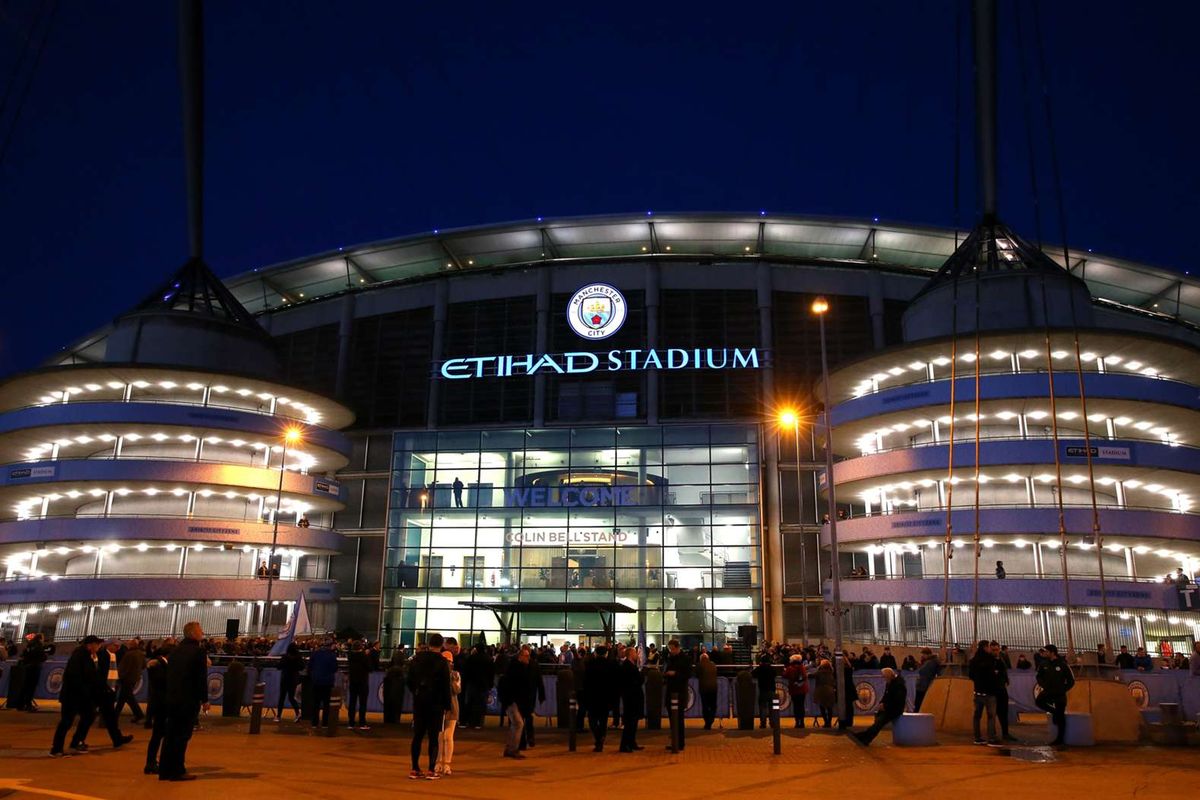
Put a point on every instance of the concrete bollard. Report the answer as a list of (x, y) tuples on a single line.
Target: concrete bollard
[(335, 711), (572, 713), (256, 707), (776, 734)]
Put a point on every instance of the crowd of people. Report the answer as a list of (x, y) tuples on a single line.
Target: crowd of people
[(450, 687)]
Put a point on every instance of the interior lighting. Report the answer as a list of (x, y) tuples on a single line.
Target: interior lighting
[(968, 357), (917, 366), (1059, 354), (1067, 415), (1133, 365), (999, 355), (1028, 354), (1113, 359)]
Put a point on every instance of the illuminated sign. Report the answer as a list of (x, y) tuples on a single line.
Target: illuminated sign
[(571, 496), (596, 311), (612, 361), (552, 537)]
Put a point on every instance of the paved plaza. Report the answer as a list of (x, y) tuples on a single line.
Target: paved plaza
[(285, 759)]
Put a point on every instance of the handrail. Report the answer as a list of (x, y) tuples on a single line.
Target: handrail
[(159, 402), (1022, 506), (197, 519), (153, 576), (1006, 438), (1009, 576), (138, 457), (924, 380)]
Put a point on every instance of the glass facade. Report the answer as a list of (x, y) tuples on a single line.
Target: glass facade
[(664, 520)]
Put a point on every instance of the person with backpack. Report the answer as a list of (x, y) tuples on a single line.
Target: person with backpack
[(797, 683)]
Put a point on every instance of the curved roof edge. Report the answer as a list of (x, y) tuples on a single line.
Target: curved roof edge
[(1153, 291)]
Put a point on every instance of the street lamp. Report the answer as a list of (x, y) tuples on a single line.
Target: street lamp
[(290, 437), (788, 418), (820, 307)]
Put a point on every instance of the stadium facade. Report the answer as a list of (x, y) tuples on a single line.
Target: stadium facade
[(569, 428)]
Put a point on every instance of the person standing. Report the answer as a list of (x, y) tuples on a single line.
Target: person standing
[(76, 698), (322, 673), (887, 659), (156, 715), (129, 671), (446, 738), (764, 679), (478, 676), (291, 664), (31, 660), (529, 701), (984, 675), (797, 682), (186, 695), (1001, 572), (678, 673), (458, 490), (706, 676), (1055, 678), (602, 676), (429, 682), (891, 707), (358, 674), (514, 684), (633, 701), (825, 694), (1001, 690), (926, 673)]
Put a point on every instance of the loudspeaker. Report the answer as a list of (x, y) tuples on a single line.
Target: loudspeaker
[(748, 634), (231, 628)]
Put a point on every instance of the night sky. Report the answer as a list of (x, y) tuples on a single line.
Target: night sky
[(331, 124)]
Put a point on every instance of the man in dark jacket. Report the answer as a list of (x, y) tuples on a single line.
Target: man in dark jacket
[(76, 696), (322, 672), (429, 682), (887, 660), (925, 675), (1002, 668), (984, 672), (105, 696), (895, 696), (513, 693), (601, 675), (1055, 678), (186, 694), (129, 671), (633, 702), (156, 678), (678, 673), (478, 675), (529, 701), (358, 675), (32, 658)]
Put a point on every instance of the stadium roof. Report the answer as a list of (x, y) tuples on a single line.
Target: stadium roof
[(687, 236)]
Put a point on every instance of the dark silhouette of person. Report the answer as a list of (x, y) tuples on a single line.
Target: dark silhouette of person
[(458, 487)]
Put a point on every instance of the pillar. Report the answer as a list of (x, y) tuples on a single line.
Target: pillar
[(772, 536), (440, 301), (541, 338)]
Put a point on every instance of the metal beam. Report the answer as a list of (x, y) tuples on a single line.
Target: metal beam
[(353, 267), (867, 251), (549, 250), (1170, 288), (453, 259), (277, 289), (653, 238)]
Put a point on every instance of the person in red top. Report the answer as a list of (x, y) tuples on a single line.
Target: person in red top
[(797, 682)]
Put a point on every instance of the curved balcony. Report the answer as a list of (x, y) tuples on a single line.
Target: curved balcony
[(137, 383), (1034, 592), (140, 588), (1117, 457), (1014, 353), (165, 529), (1125, 526), (1132, 389), (26, 428), (17, 481)]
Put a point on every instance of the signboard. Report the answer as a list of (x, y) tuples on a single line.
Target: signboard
[(30, 472), (574, 537), (581, 363), (572, 496), (1111, 453)]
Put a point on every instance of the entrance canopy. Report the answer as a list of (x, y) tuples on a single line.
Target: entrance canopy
[(506, 612)]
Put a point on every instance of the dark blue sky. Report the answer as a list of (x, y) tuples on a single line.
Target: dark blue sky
[(337, 123)]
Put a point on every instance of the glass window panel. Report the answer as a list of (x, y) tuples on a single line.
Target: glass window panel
[(458, 440), (733, 434), (547, 439)]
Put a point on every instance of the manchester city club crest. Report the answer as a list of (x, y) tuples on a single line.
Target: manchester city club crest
[(596, 311)]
